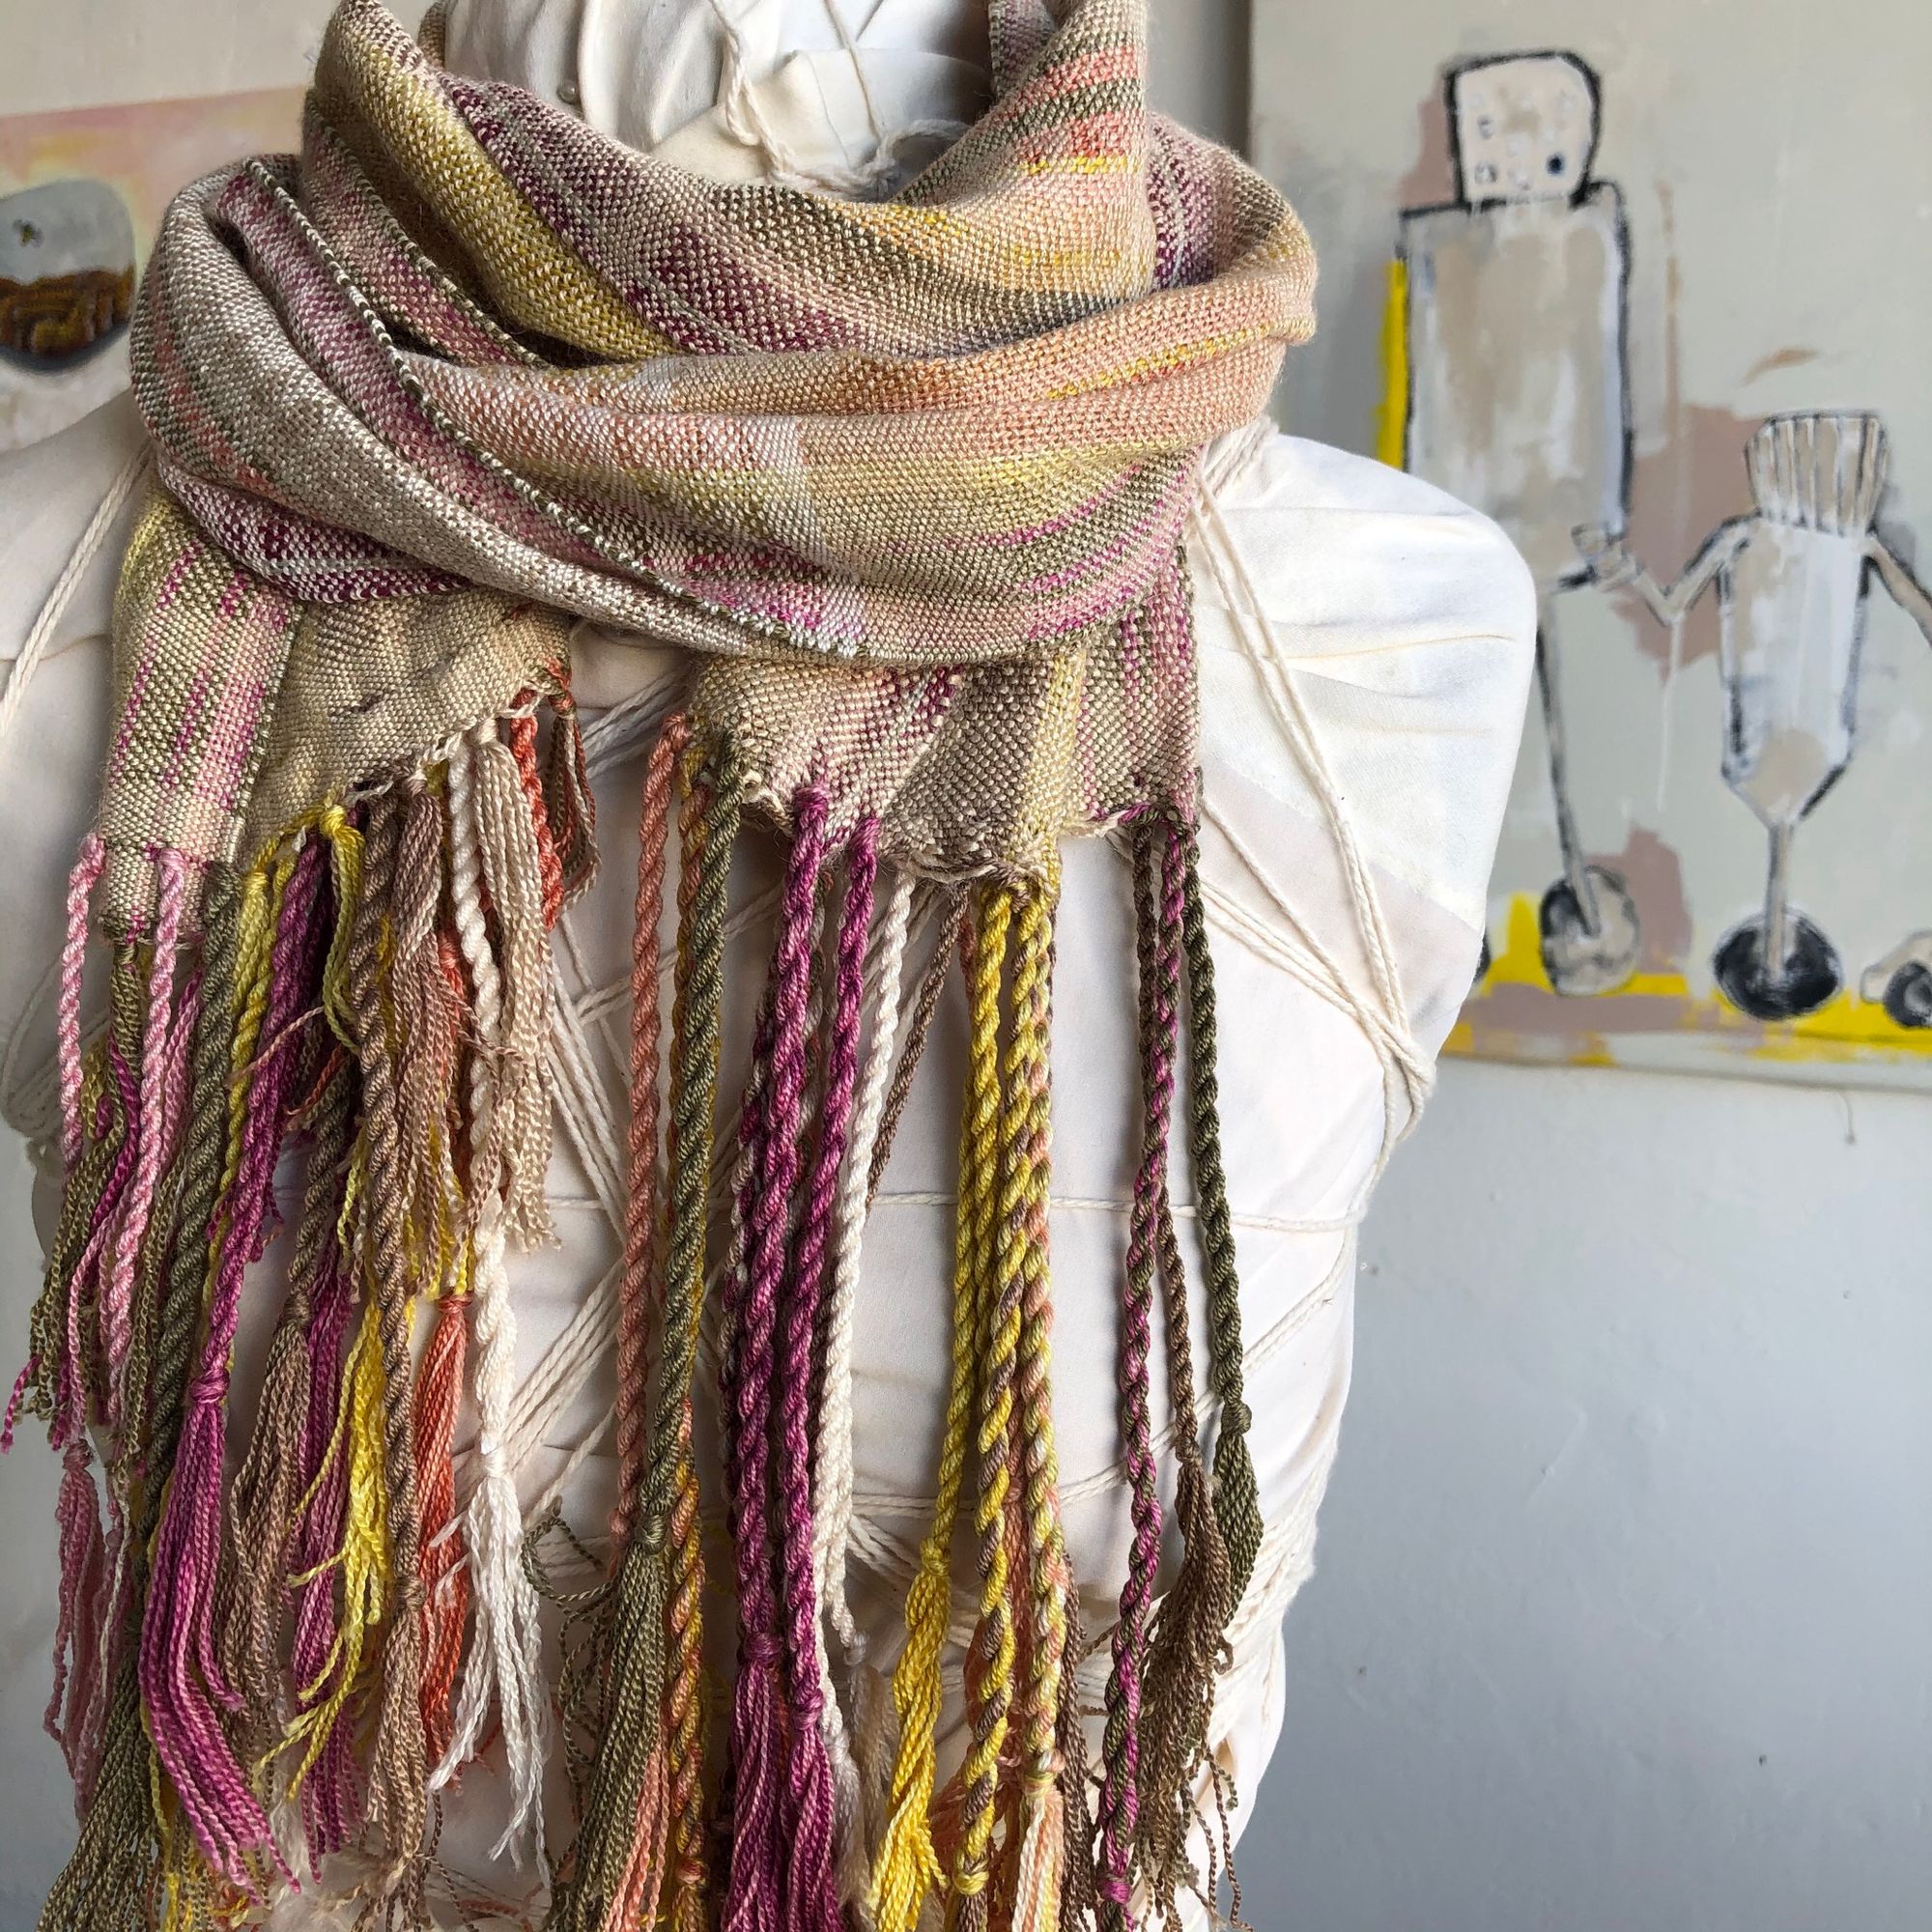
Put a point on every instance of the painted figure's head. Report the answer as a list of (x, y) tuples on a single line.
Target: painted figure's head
[(1524, 127), (1825, 472)]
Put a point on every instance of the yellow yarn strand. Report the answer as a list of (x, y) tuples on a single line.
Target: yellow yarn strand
[(364, 1556), (908, 1867), (1050, 1580), (997, 1264)]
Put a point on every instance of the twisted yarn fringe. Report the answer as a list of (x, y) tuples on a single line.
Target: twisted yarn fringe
[(1121, 1749), (330, 1644), (1236, 1498), (908, 1867), (184, 1686), (641, 1728), (832, 1500), (810, 1880), (507, 1141), (1185, 1649), (755, 1896)]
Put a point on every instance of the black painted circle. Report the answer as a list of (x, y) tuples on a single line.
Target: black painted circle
[(1811, 976), (1908, 997)]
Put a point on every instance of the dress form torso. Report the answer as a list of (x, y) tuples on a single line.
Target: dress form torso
[(1364, 646)]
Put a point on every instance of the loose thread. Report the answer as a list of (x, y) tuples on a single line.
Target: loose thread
[(925, 1005), (267, 1487), (324, 1552)]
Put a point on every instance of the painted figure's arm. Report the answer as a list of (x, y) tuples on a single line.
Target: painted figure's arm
[(1907, 592), (1612, 566)]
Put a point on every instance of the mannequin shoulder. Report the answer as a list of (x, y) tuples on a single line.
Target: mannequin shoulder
[(1347, 554), (56, 721), (1366, 649), (49, 495)]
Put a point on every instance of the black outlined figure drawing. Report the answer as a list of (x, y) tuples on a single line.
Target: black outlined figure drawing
[(1902, 981), (1791, 579), (1518, 396)]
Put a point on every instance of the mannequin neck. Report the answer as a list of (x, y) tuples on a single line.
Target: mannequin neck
[(847, 95)]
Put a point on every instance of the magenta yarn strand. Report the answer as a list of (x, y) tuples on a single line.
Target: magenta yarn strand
[(327, 1796), (183, 1686), (754, 1893)]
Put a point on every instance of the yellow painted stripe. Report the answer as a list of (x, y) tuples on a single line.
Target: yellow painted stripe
[(1392, 415)]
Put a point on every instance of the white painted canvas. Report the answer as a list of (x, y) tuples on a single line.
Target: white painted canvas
[(1642, 286)]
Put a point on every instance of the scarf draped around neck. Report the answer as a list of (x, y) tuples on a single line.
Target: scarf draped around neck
[(905, 483)]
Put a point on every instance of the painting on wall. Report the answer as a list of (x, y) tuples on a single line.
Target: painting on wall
[(81, 192), (1508, 382)]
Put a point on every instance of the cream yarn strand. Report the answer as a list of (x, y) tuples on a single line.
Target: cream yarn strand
[(832, 1498), (504, 1655)]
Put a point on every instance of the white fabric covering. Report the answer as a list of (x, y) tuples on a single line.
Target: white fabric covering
[(1405, 625)]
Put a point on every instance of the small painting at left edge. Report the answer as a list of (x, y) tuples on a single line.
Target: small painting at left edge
[(82, 194)]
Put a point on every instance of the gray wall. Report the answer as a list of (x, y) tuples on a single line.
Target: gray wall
[(1623, 1611)]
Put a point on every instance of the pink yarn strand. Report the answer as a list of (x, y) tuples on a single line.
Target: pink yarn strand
[(183, 1684), (81, 881), (117, 1293)]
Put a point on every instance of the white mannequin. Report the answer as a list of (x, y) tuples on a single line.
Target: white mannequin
[(1393, 628)]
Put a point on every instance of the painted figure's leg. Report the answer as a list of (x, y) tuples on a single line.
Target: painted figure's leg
[(1778, 964), (1588, 921)]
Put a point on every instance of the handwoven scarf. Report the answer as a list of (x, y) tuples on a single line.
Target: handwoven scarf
[(904, 482)]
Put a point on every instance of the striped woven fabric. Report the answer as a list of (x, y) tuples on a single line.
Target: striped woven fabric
[(906, 481)]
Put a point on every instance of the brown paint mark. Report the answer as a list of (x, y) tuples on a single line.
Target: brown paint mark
[(1520, 1015), (1651, 870), (1793, 357), (1431, 178), (1679, 496), (1681, 491)]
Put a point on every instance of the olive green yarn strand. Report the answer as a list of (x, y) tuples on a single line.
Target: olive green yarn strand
[(48, 1324), (1187, 1639), (708, 832), (109, 1880), (1077, 1879), (1237, 1495)]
